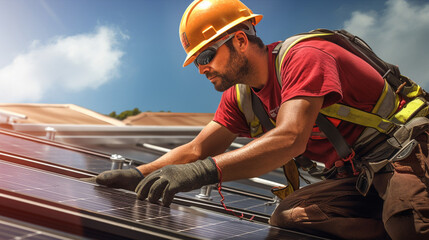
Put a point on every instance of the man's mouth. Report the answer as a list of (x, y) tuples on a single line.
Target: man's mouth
[(211, 77)]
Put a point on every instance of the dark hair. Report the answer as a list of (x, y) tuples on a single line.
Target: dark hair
[(252, 38), (256, 40)]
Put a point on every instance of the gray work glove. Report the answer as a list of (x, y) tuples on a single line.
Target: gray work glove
[(120, 178), (169, 180)]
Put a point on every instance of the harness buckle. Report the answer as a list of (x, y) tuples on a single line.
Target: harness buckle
[(404, 152), (364, 181), (368, 169)]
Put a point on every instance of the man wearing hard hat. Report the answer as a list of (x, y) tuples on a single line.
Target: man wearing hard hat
[(293, 85)]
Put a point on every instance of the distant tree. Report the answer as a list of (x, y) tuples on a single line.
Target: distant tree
[(125, 114), (113, 114), (128, 113)]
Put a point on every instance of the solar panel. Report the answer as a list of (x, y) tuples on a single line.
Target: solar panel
[(13, 229), (34, 148), (61, 154), (124, 206)]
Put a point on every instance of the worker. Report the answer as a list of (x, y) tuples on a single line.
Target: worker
[(219, 37)]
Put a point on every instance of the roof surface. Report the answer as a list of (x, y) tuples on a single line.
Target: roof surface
[(55, 114), (170, 119), (73, 114)]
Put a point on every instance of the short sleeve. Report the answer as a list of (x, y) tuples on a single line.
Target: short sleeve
[(309, 71)]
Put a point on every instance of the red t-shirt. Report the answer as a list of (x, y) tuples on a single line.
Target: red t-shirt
[(311, 68)]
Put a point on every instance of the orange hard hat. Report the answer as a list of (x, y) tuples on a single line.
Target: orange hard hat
[(205, 20)]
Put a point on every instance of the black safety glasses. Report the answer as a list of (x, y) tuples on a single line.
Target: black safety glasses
[(206, 56)]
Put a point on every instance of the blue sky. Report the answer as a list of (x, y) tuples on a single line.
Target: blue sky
[(115, 55)]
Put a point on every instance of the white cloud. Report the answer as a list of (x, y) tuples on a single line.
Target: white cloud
[(399, 34), (72, 63), (360, 23)]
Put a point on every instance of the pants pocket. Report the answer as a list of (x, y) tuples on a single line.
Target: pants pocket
[(311, 213), (421, 207)]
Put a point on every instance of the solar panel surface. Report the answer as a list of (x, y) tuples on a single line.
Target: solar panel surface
[(189, 215), (34, 148), (18, 230), (124, 205), (59, 154)]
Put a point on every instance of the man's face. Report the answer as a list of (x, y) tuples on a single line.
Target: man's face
[(234, 70), (228, 66)]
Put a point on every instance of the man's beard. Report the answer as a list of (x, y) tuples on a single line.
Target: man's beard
[(237, 72)]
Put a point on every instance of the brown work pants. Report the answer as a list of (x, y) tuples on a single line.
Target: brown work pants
[(396, 207)]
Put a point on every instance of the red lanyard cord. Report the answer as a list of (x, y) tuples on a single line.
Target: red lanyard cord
[(219, 189)]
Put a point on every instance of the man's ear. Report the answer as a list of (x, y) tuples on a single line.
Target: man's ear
[(242, 41)]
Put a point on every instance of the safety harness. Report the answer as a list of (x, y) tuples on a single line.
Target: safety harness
[(389, 131)]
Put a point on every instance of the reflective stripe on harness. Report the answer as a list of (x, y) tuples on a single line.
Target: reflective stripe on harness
[(415, 108), (359, 117), (244, 101)]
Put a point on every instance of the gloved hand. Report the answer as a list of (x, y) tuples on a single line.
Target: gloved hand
[(120, 178), (169, 180)]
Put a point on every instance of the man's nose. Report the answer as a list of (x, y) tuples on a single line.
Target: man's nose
[(203, 69)]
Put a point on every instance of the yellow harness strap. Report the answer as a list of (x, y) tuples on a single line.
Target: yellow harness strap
[(292, 175), (358, 116), (244, 101)]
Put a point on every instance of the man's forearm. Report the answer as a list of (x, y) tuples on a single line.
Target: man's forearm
[(258, 157), (180, 155)]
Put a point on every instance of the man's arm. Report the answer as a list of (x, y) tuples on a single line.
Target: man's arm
[(278, 146), (287, 140), (212, 140)]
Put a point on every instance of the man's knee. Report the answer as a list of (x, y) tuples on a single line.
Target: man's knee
[(288, 217), (278, 218)]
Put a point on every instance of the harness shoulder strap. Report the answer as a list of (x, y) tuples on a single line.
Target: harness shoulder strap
[(283, 47), (244, 101), (260, 112), (334, 136)]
